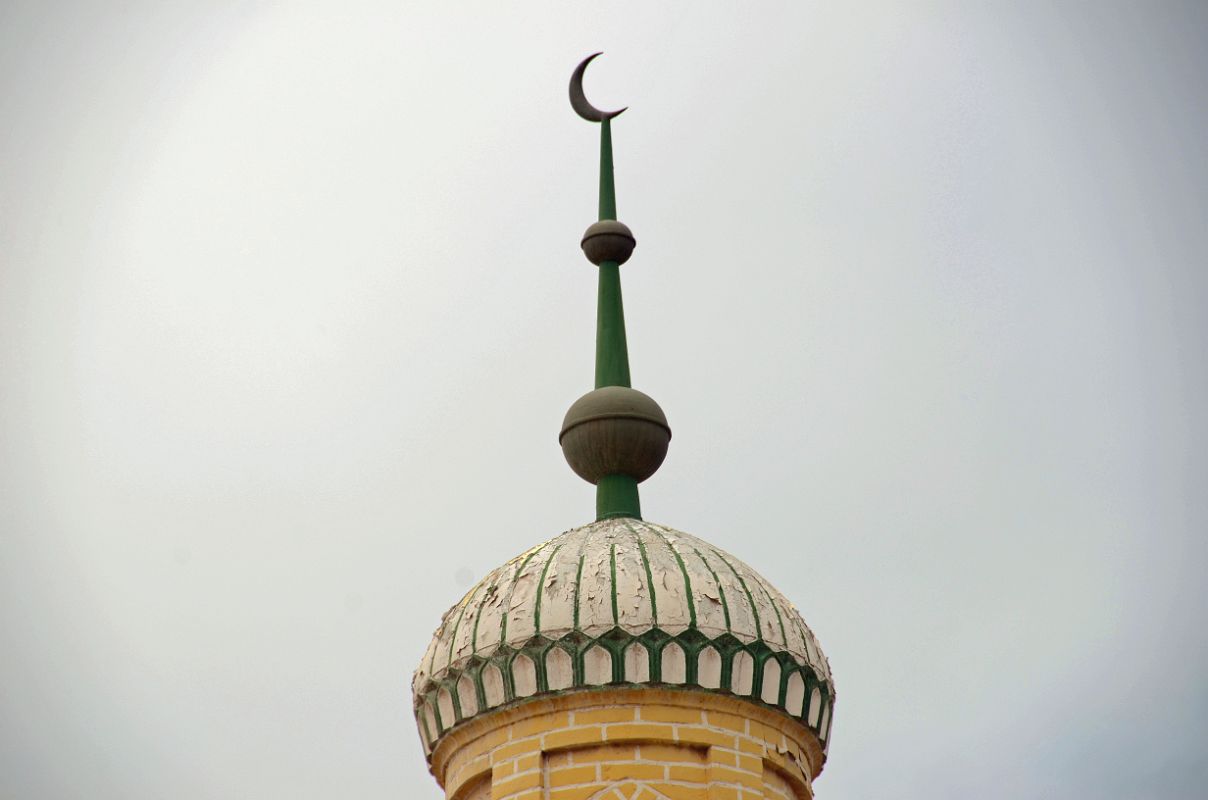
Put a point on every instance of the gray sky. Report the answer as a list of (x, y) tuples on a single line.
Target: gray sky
[(291, 306)]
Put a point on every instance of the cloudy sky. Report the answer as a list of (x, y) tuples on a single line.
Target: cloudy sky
[(291, 306)]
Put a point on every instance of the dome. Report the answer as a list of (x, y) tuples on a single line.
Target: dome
[(621, 602)]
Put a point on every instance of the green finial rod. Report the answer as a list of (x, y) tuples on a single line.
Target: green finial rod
[(608, 188), (614, 436), (616, 495), (612, 349)]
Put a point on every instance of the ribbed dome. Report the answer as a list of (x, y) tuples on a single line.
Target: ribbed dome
[(621, 602)]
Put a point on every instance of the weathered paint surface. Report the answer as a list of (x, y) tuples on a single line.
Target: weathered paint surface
[(621, 601)]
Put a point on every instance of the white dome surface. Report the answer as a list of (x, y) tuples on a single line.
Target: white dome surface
[(621, 601)]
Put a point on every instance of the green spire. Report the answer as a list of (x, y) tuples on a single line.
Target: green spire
[(612, 351), (608, 188), (614, 436), (616, 495)]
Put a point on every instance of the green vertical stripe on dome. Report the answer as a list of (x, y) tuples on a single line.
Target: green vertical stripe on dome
[(503, 626), (784, 637), (743, 584), (654, 607), (805, 642), (541, 588), (612, 558), (478, 616), (721, 591), (579, 578), (578, 583), (430, 657), (683, 571), (465, 603)]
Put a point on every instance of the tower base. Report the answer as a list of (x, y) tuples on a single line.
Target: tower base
[(616, 743)]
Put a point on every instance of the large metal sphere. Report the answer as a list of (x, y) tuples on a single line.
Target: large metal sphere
[(615, 431), (608, 240)]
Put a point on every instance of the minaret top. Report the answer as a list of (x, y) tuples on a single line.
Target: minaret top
[(621, 614), (614, 436)]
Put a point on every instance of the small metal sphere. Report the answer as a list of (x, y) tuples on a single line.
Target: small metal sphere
[(608, 240), (615, 431)]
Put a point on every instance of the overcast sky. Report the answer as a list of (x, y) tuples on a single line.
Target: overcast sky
[(292, 305)]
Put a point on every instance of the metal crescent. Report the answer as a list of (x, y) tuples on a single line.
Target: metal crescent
[(578, 100)]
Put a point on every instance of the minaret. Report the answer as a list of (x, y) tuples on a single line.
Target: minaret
[(622, 660)]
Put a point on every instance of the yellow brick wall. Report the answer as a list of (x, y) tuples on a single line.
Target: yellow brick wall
[(629, 744), (477, 790)]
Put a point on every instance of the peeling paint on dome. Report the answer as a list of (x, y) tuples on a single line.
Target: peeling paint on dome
[(621, 601)]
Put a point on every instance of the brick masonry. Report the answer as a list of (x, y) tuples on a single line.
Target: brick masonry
[(630, 744)]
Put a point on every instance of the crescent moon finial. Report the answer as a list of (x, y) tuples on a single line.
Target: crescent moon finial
[(578, 100)]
